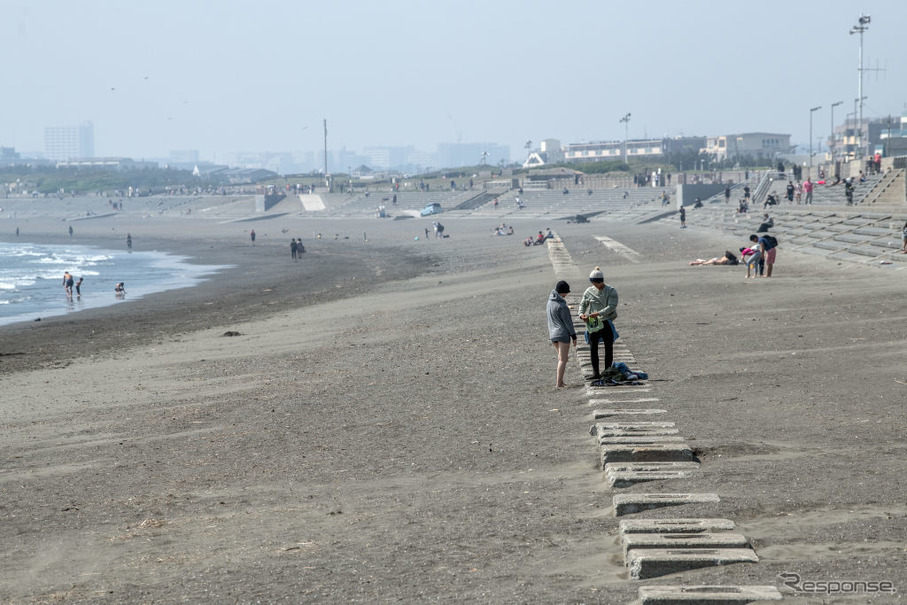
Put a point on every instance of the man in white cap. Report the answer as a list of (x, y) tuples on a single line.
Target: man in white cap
[(598, 309)]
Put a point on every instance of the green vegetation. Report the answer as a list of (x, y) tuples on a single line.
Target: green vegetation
[(88, 180)]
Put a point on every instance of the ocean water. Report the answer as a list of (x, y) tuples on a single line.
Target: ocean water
[(31, 278)]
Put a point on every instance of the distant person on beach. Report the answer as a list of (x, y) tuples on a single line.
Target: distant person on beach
[(294, 250), (683, 218), (808, 189), (67, 283), (598, 309), (790, 191), (560, 328), (727, 194), (767, 223), (79, 286), (904, 239), (17, 232), (252, 236), (300, 249), (70, 231), (129, 241), (120, 289)]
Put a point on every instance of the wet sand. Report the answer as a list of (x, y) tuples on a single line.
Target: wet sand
[(385, 427)]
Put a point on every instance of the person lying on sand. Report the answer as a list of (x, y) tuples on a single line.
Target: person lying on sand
[(729, 258)]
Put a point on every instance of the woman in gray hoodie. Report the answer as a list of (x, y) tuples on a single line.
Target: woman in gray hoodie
[(560, 328)]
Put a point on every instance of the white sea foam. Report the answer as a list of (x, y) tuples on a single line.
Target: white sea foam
[(31, 277)]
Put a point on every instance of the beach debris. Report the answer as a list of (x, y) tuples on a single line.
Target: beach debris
[(232, 333)]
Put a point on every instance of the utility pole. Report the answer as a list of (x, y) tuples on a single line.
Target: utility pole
[(326, 152), (626, 122), (862, 26)]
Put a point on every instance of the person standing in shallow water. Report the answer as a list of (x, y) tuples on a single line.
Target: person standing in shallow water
[(67, 282), (599, 309), (560, 328)]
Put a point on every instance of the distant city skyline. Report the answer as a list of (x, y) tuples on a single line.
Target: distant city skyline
[(260, 77)]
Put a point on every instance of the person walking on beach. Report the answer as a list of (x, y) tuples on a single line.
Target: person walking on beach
[(560, 328), (252, 236), (79, 286), (129, 241), (294, 250), (67, 283), (683, 218), (598, 309)]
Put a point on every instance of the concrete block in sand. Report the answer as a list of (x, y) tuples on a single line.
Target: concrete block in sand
[(627, 504), (640, 439), (599, 414), (654, 562), (707, 595), (625, 474), (601, 427), (653, 452), (684, 541), (674, 526)]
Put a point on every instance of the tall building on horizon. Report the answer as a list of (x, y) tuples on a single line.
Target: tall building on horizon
[(62, 143)]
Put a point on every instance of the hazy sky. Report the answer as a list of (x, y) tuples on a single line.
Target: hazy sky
[(228, 75)]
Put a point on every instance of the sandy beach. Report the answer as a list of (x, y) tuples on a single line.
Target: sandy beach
[(384, 425)]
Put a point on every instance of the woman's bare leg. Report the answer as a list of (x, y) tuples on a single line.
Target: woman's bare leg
[(563, 353)]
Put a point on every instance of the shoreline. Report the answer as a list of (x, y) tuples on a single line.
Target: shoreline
[(182, 273)]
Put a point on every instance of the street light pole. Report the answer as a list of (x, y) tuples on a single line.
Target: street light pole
[(626, 122), (811, 112), (834, 143), (862, 26)]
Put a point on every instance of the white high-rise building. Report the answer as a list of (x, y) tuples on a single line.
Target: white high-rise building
[(64, 143)]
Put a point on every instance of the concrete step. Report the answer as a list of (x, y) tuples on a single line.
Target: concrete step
[(602, 428), (706, 595), (655, 452), (610, 413), (647, 563), (685, 540), (673, 526), (628, 504), (625, 474)]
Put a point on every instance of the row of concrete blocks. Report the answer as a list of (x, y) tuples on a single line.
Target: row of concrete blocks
[(634, 451), (656, 547)]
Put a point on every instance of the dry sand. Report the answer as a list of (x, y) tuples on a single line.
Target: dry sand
[(385, 426)]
